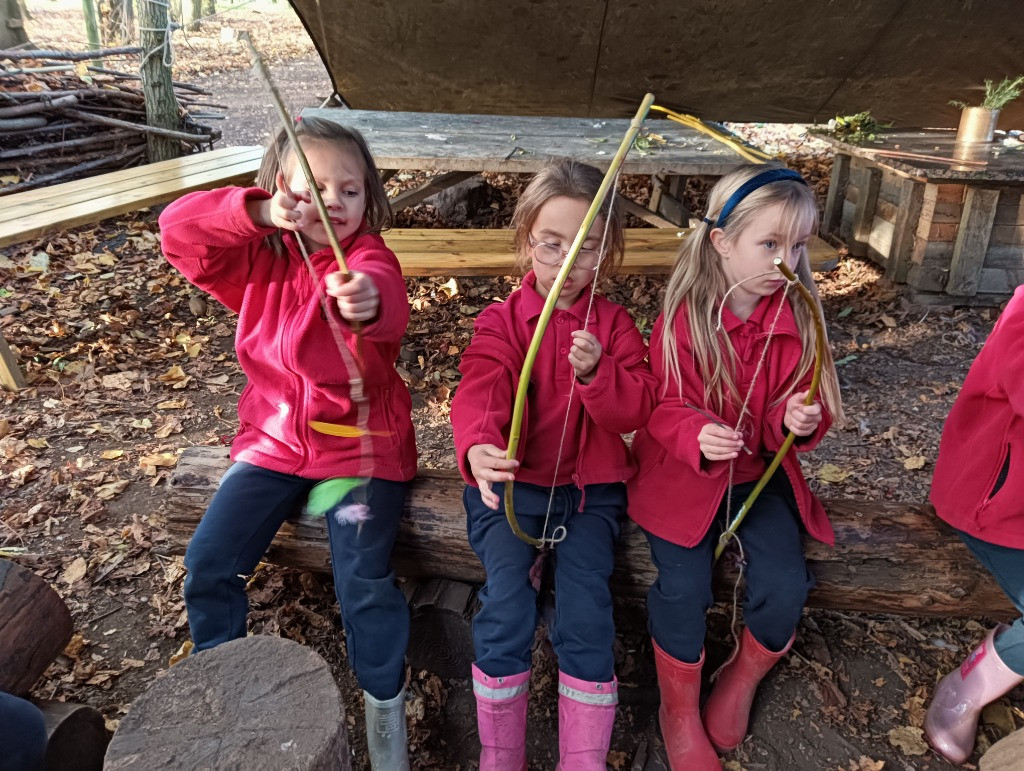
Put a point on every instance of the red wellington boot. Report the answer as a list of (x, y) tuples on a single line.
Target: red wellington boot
[(727, 711), (686, 743)]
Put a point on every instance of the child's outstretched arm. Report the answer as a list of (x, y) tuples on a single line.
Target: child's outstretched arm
[(212, 239), (375, 293)]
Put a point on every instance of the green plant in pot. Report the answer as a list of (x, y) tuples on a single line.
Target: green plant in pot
[(978, 122)]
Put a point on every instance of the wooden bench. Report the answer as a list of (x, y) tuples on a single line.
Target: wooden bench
[(37, 213), (650, 251)]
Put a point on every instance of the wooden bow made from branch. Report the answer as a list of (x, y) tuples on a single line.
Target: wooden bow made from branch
[(330, 492), (519, 407), (819, 355)]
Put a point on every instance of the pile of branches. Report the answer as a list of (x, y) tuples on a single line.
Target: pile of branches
[(62, 118)]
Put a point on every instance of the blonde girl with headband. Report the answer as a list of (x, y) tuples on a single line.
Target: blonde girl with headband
[(591, 383), (264, 252), (734, 356)]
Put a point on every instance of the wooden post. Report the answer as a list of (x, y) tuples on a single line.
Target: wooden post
[(12, 26), (901, 249), (836, 194), (10, 375), (864, 213), (972, 241), (92, 28), (161, 104), (76, 736)]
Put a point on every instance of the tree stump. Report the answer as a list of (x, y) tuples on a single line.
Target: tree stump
[(258, 702), (1007, 754), (76, 736), (441, 635), (36, 626)]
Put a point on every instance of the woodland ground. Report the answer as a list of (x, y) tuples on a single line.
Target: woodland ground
[(127, 365)]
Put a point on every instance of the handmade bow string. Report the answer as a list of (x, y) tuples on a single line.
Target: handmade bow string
[(812, 391), (519, 406), (328, 494)]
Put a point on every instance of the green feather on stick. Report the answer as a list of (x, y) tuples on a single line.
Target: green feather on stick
[(328, 495)]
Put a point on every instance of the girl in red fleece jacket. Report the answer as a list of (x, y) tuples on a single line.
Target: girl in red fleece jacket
[(731, 351), (568, 475), (978, 488), (246, 247)]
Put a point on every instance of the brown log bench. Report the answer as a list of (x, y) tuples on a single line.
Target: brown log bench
[(888, 557)]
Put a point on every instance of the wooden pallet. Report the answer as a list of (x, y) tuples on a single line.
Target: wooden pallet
[(37, 213), (650, 251)]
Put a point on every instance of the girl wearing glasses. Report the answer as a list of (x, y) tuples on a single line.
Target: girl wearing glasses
[(590, 384)]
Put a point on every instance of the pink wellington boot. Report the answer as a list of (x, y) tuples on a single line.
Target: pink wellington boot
[(586, 716), (686, 744), (501, 719), (727, 711), (952, 718)]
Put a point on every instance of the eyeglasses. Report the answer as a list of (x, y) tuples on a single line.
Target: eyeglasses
[(554, 255)]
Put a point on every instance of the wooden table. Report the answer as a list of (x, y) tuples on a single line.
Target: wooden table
[(465, 145), (950, 225)]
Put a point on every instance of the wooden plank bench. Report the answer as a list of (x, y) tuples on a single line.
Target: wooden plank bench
[(37, 213), (650, 251)]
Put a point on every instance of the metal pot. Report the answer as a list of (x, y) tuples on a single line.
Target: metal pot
[(977, 124)]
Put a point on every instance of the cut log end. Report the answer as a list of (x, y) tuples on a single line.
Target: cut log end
[(258, 702)]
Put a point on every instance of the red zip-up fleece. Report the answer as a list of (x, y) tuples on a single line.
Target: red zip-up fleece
[(618, 400), (285, 344), (677, 491), (984, 432)]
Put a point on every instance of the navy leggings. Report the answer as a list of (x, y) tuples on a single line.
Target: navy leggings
[(777, 579), (234, 534), (582, 631), (1007, 566), (22, 735)]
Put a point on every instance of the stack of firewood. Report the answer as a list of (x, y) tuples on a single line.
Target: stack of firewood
[(61, 119)]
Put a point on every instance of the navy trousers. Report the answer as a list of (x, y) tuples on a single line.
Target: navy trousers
[(581, 631), (1007, 566), (777, 579), (22, 735), (246, 512)]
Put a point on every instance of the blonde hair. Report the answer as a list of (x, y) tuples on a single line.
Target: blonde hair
[(698, 279), (280, 157), (567, 179)]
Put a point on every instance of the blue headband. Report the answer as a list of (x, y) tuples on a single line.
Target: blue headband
[(748, 187)]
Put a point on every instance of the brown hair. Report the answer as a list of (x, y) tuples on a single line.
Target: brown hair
[(567, 179), (698, 280), (281, 157)]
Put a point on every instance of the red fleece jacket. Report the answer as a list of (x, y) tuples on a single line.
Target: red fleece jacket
[(285, 345), (985, 433), (677, 491), (618, 400)]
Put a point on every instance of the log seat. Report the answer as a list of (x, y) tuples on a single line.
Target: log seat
[(888, 557)]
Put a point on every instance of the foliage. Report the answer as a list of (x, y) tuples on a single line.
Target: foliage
[(860, 127), (997, 95)]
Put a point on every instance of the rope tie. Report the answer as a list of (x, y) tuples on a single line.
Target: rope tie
[(165, 46), (559, 533)]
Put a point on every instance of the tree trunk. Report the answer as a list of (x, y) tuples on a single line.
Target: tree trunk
[(257, 702), (209, 7), (192, 11), (440, 634), (76, 736), (12, 25), (36, 626), (1005, 754), (888, 558), (161, 105), (117, 21)]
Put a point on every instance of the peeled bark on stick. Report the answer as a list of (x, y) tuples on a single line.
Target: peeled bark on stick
[(888, 558), (36, 627)]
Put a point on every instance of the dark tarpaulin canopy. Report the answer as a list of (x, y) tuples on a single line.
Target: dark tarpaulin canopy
[(740, 60)]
